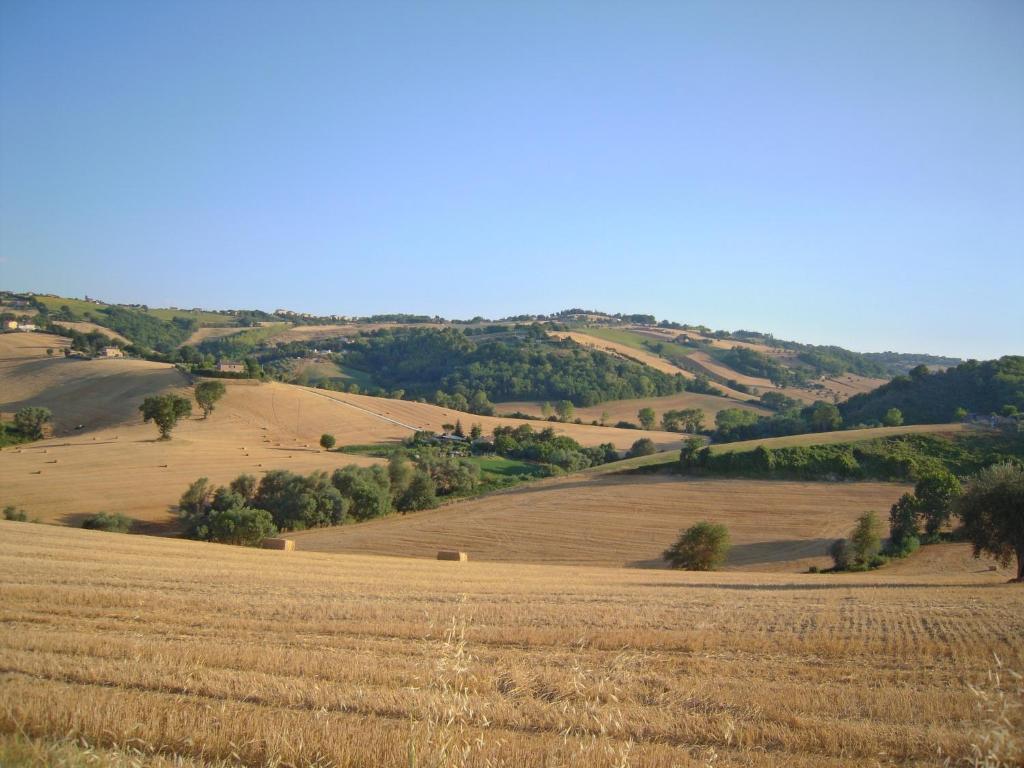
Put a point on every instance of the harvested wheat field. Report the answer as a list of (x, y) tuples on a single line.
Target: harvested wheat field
[(255, 428), (626, 410), (624, 521), (92, 393), (622, 350), (199, 654)]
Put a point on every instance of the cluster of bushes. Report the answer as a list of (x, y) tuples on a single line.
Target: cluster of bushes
[(898, 457), (732, 424), (701, 547), (105, 521), (924, 397), (15, 514), (545, 447), (28, 424)]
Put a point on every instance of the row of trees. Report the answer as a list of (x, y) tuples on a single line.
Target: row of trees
[(167, 410), (990, 509), (545, 447)]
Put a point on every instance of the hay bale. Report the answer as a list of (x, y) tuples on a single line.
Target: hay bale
[(286, 545), (452, 554)]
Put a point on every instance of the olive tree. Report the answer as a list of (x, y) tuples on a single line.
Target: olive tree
[(992, 511)]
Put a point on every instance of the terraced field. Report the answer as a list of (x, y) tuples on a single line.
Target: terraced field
[(242, 657)]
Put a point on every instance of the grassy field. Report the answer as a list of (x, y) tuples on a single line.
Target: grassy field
[(80, 307), (159, 652), (86, 327)]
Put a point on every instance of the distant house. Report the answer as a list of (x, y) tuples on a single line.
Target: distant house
[(111, 352), (26, 327), (228, 366)]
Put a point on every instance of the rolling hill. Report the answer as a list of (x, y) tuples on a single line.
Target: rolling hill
[(623, 521)]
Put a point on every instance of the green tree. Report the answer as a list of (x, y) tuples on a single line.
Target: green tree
[(936, 495), (459, 431), (29, 421), (960, 414), (992, 511), (565, 409), (893, 417), (701, 547), (421, 493), (839, 551), (689, 452), (165, 411), (207, 394), (642, 447), (903, 523), (546, 410), (866, 539), (243, 526), (476, 432), (824, 417), (245, 486), (327, 441), (646, 417)]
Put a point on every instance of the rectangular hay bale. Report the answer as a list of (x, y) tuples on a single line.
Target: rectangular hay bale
[(285, 544), (452, 554)]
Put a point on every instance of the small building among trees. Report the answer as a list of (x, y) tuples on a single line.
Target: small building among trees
[(111, 352), (230, 366)]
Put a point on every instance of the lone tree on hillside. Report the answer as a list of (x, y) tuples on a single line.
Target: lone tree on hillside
[(326, 441), (165, 410), (642, 447), (208, 393), (565, 409), (29, 421), (992, 511), (646, 417), (701, 547)]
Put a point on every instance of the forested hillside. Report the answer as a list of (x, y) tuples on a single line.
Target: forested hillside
[(422, 361), (932, 398)]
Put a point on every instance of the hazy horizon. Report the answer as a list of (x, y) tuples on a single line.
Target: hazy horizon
[(838, 173)]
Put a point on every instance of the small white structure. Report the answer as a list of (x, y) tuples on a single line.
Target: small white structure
[(229, 366), (111, 352)]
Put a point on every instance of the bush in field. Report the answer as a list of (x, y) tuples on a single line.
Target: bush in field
[(29, 421), (642, 447), (839, 551), (865, 542), (15, 514), (113, 523), (244, 526), (701, 547), (646, 418), (327, 441)]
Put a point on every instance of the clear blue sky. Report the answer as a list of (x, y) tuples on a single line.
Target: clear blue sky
[(834, 172)]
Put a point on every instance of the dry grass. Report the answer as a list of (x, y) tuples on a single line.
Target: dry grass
[(195, 654), (622, 350), (615, 521)]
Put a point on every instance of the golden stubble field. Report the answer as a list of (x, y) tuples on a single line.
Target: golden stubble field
[(157, 652)]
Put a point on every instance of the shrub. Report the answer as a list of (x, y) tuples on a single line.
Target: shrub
[(15, 514), (29, 421), (327, 441), (240, 525), (701, 547), (865, 539), (839, 551), (103, 521), (642, 447)]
